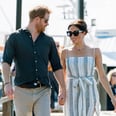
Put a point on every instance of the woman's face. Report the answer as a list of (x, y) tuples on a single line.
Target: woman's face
[(113, 79), (75, 35)]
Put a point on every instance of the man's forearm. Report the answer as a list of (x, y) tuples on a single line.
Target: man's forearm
[(60, 78), (6, 72)]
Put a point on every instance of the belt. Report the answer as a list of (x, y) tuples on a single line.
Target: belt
[(32, 85)]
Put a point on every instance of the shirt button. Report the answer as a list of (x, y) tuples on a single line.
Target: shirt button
[(35, 61), (36, 70), (34, 52)]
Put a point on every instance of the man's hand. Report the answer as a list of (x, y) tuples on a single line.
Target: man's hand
[(9, 91), (62, 97)]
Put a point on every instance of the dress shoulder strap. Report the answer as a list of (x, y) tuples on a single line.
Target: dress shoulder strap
[(94, 52), (67, 54)]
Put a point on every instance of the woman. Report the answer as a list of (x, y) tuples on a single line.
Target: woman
[(112, 80), (78, 62)]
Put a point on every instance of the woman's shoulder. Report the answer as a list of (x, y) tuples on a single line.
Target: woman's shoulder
[(66, 49), (97, 52), (95, 49)]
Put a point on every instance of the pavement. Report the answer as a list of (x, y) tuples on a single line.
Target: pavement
[(103, 113)]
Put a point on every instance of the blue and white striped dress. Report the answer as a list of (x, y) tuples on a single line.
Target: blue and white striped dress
[(82, 94)]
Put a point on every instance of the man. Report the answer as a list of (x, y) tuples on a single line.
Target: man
[(31, 50)]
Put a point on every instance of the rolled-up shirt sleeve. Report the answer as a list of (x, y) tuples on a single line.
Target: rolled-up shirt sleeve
[(55, 58), (9, 49)]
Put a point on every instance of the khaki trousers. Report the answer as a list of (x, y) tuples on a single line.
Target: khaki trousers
[(35, 100)]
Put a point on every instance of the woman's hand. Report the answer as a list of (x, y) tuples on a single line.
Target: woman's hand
[(62, 97), (114, 103)]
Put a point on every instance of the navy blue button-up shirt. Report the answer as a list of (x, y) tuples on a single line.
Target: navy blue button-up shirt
[(31, 58)]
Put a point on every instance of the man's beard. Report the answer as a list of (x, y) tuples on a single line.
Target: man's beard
[(39, 28)]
